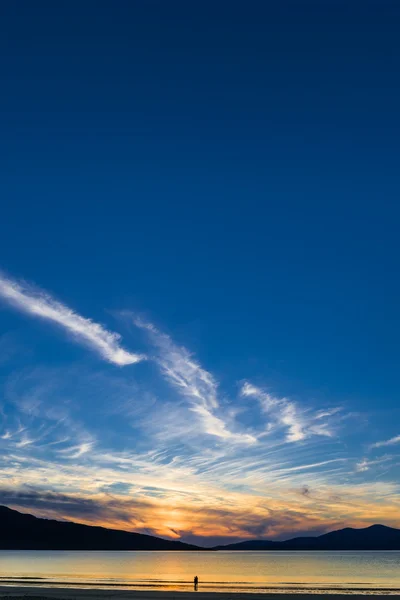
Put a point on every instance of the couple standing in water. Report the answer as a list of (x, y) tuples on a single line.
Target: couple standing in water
[(196, 583)]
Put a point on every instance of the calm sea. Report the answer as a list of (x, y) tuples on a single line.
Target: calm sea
[(217, 571)]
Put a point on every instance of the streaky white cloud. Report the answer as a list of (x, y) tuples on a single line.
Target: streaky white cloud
[(300, 424), (295, 425), (12, 433), (311, 466), (76, 451), (181, 370), (216, 426), (25, 441), (194, 383), (266, 400), (391, 442), (40, 304), (327, 413), (365, 464)]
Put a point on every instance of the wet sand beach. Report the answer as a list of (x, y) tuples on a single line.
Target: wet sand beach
[(36, 593)]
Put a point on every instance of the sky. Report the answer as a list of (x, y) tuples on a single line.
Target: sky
[(199, 259)]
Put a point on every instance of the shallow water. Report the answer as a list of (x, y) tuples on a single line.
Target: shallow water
[(217, 571)]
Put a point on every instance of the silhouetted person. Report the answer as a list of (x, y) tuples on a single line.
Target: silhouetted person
[(196, 583)]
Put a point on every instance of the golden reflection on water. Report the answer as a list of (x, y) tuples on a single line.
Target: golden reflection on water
[(216, 570)]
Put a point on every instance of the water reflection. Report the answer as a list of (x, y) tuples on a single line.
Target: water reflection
[(217, 571)]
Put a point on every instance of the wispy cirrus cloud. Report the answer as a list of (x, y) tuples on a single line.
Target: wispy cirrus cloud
[(365, 464), (180, 490), (216, 426), (39, 304), (175, 454), (390, 442), (77, 450), (181, 370), (165, 500), (194, 383), (299, 424)]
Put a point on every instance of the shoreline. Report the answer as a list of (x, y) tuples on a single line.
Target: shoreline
[(11, 592)]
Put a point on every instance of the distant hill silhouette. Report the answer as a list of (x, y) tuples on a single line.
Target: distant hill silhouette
[(376, 537), (20, 531)]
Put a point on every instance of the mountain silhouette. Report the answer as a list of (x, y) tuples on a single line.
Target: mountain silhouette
[(375, 537), (19, 531)]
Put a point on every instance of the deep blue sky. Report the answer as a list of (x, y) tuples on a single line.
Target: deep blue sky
[(227, 170)]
